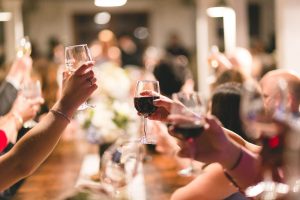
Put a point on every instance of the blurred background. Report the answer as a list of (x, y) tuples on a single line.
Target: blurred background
[(263, 27)]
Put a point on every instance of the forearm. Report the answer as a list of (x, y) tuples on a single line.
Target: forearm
[(248, 169), (36, 145)]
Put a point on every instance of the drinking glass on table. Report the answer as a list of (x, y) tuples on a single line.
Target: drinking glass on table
[(188, 121), (144, 103), (120, 164), (31, 90), (76, 56)]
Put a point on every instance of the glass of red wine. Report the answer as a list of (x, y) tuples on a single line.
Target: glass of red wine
[(270, 130), (145, 93), (188, 112)]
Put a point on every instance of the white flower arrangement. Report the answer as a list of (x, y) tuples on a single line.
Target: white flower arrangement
[(114, 112)]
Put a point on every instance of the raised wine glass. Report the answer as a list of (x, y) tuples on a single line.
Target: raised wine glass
[(270, 130), (31, 89), (189, 110), (23, 47), (75, 56), (144, 103)]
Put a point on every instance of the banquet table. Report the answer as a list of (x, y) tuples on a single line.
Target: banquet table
[(57, 176)]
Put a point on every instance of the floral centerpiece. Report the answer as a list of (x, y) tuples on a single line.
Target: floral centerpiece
[(114, 113)]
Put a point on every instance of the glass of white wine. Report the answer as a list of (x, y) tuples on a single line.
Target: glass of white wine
[(23, 47), (76, 56)]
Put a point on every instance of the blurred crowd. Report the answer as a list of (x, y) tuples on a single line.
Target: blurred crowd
[(172, 68)]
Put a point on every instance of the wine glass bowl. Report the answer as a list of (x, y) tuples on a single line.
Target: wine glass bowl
[(76, 56), (23, 47), (31, 90), (187, 114)]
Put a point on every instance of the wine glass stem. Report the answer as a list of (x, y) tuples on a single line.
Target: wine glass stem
[(191, 141), (145, 127)]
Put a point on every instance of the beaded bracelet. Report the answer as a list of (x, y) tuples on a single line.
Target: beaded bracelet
[(57, 112)]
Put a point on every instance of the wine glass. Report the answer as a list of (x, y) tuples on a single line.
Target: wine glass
[(23, 47), (31, 89), (270, 130), (189, 110), (144, 103), (76, 56), (120, 164)]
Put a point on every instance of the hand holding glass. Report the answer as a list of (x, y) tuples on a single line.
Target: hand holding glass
[(31, 90), (76, 56), (189, 110)]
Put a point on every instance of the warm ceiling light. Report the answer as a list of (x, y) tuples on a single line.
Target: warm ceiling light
[(102, 18), (5, 16), (110, 3), (217, 11)]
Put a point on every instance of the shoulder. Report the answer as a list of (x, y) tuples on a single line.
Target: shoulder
[(209, 185)]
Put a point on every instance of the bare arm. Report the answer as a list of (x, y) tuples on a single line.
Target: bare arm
[(210, 185), (38, 143)]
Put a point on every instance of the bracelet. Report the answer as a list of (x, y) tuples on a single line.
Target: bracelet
[(237, 162), (57, 112), (18, 118), (231, 180)]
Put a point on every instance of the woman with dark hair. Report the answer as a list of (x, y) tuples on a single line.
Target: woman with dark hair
[(225, 105)]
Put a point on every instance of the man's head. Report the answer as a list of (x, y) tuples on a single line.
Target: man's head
[(271, 91)]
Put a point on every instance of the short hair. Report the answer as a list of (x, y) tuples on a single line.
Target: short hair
[(172, 74)]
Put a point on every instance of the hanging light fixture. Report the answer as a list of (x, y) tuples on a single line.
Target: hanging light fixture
[(110, 3), (229, 23), (219, 10), (5, 16)]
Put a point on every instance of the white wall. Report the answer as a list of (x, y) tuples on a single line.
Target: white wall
[(288, 34), (54, 18)]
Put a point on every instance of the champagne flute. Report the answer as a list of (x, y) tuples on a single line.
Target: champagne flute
[(144, 103), (31, 90), (76, 56), (189, 109), (23, 47), (270, 130)]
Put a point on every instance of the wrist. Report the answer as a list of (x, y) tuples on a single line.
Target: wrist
[(231, 156), (18, 119), (67, 110)]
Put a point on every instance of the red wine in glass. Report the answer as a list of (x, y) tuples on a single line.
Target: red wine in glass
[(144, 104), (189, 131)]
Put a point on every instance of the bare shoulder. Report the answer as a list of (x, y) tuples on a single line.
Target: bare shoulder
[(209, 185)]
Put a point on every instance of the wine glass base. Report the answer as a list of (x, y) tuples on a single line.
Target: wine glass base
[(186, 172), (144, 140), (29, 124), (85, 106), (267, 190)]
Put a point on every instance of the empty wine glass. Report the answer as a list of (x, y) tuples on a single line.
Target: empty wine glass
[(270, 130), (189, 109), (31, 90), (23, 47), (76, 56), (144, 103), (120, 164)]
